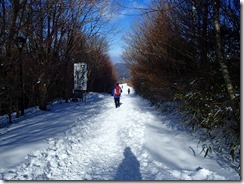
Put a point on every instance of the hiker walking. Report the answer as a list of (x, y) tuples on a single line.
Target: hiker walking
[(116, 92)]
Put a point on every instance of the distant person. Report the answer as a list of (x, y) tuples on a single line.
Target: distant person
[(128, 90), (116, 92)]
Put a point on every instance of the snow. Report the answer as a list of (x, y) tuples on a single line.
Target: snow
[(96, 141)]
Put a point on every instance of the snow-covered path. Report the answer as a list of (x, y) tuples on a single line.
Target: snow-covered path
[(108, 143)]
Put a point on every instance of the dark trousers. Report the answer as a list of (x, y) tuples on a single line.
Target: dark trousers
[(117, 102)]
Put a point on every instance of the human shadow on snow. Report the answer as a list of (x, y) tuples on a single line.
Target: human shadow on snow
[(129, 169)]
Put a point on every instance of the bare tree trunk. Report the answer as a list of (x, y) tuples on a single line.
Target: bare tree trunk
[(66, 82), (220, 56), (43, 97)]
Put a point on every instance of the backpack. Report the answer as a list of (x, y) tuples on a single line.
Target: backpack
[(117, 91)]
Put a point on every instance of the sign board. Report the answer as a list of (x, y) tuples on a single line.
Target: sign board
[(80, 76)]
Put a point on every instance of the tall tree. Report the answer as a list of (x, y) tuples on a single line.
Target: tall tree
[(223, 65)]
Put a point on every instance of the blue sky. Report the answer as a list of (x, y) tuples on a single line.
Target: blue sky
[(125, 19)]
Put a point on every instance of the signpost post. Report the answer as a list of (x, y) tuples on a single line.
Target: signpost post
[(80, 79)]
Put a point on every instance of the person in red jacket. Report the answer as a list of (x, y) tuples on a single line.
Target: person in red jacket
[(117, 93)]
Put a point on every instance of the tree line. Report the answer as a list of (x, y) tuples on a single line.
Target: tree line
[(189, 52), (56, 35)]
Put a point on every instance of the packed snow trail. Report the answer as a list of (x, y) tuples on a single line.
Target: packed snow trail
[(108, 143)]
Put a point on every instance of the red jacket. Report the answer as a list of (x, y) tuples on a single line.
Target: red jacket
[(117, 91)]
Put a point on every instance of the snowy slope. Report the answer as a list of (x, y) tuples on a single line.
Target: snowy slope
[(96, 141)]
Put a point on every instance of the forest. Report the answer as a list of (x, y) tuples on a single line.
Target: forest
[(188, 52), (40, 42), (182, 51)]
